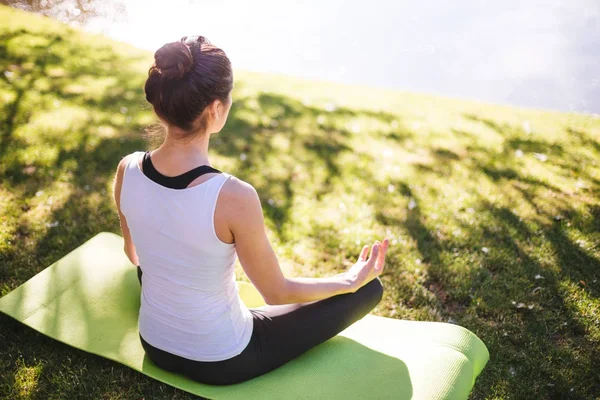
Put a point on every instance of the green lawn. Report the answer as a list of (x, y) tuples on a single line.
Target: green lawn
[(493, 212)]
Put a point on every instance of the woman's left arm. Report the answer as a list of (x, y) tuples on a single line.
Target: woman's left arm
[(129, 247)]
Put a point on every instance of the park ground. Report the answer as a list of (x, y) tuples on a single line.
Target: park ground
[(493, 212)]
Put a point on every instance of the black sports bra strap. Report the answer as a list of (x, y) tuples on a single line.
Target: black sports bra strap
[(174, 182)]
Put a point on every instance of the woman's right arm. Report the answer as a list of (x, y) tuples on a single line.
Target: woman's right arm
[(246, 223)]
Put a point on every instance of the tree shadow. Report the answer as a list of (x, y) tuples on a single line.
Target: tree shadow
[(282, 149), (550, 328), (43, 58), (502, 257)]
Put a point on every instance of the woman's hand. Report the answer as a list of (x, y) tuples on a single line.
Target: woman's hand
[(365, 270)]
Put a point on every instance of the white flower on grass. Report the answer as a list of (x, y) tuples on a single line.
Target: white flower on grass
[(519, 153), (541, 157), (527, 127), (412, 204), (522, 305), (52, 224), (330, 107), (243, 156)]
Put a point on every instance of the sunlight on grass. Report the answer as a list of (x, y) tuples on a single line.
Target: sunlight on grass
[(26, 379)]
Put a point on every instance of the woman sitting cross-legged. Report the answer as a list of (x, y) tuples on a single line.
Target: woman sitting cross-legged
[(185, 222)]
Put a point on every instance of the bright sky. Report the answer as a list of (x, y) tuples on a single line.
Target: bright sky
[(539, 53)]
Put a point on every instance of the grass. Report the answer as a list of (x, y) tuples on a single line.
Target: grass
[(493, 212)]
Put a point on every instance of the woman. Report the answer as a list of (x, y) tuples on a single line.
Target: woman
[(184, 223)]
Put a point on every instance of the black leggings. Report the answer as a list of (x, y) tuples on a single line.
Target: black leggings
[(281, 333)]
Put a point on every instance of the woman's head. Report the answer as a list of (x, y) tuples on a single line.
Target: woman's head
[(189, 85)]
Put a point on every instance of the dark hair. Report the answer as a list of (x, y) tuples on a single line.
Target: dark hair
[(187, 76)]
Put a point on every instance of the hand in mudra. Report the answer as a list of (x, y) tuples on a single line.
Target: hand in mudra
[(365, 270)]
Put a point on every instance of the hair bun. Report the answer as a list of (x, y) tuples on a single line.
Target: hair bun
[(172, 60)]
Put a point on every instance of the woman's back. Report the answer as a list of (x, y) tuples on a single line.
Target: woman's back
[(190, 304), (191, 314)]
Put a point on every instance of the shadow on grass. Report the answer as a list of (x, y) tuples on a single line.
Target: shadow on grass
[(308, 147), (524, 281)]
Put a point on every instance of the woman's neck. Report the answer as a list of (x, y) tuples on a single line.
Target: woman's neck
[(191, 153)]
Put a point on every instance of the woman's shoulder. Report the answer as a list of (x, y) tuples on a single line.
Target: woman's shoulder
[(236, 192), (236, 186), (125, 162), (127, 157), (240, 204)]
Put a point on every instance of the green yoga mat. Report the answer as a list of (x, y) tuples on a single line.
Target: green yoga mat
[(90, 299)]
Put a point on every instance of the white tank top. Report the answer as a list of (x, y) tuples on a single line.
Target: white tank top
[(190, 305)]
